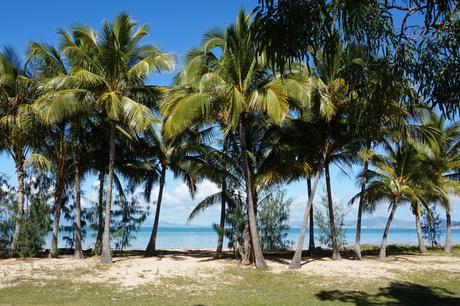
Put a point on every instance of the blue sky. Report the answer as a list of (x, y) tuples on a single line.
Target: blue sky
[(175, 26)]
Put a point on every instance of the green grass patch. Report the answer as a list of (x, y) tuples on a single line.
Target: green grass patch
[(245, 286)]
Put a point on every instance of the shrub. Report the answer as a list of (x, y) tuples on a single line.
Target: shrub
[(35, 226), (321, 216)]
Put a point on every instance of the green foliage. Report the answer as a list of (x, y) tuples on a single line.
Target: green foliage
[(431, 226), (35, 226), (236, 221), (127, 219), (8, 204), (322, 222), (273, 221), (68, 229)]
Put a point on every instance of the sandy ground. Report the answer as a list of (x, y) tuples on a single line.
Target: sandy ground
[(136, 270)]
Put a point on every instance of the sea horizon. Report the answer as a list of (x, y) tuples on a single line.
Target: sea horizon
[(204, 237)]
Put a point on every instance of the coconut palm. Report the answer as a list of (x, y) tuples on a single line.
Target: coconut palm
[(328, 116), (158, 155), (446, 161), (376, 112), (230, 84), (109, 70), (218, 166), (50, 64), (18, 124), (55, 156), (270, 165), (398, 178)]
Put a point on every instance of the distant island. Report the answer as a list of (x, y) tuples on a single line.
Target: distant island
[(380, 222)]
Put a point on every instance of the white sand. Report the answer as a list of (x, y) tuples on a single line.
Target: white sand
[(135, 270)]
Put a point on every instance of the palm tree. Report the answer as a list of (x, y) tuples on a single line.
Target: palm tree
[(376, 112), (397, 179), (18, 89), (110, 70), (224, 167), (55, 155), (229, 85), (328, 119), (177, 154), (50, 64), (446, 162)]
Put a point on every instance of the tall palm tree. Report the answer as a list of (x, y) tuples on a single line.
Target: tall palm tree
[(446, 162), (55, 156), (224, 167), (330, 100), (50, 64), (230, 84), (177, 154), (376, 112), (18, 89), (110, 71), (398, 178)]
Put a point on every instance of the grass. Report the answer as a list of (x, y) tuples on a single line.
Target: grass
[(247, 286), (243, 287)]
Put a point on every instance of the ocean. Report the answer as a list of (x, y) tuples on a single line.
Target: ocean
[(197, 237)]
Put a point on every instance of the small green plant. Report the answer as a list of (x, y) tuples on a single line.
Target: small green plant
[(7, 213), (126, 221), (35, 225), (274, 220), (431, 226), (321, 216)]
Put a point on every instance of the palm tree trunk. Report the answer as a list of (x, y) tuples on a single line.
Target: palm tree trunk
[(106, 254), (247, 254), (311, 244), (220, 239), (421, 245), (78, 246), (448, 244), (357, 255), (297, 258), (151, 247), (330, 205), (57, 218), (258, 256), (383, 247), (20, 206), (100, 215)]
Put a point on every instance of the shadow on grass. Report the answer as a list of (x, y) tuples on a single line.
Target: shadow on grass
[(397, 293)]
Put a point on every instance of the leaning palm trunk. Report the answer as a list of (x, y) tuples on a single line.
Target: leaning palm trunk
[(421, 244), (151, 247), (100, 215), (335, 249), (20, 206), (106, 254), (448, 244), (220, 239), (57, 218), (78, 246), (383, 247), (296, 260), (258, 256), (311, 244), (357, 255)]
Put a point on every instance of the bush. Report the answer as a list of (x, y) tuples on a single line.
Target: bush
[(7, 214), (273, 221), (126, 221), (431, 226), (321, 216), (35, 226)]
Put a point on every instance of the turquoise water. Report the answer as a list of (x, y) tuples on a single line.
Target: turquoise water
[(192, 237)]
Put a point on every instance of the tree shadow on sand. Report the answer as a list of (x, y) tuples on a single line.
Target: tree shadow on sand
[(397, 293)]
